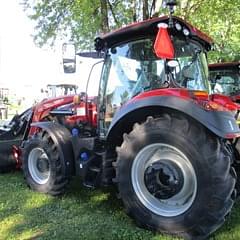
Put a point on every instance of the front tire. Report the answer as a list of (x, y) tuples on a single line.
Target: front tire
[(175, 177), (43, 169)]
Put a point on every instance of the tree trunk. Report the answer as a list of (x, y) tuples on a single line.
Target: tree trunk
[(111, 8), (145, 9), (134, 10), (104, 16), (152, 8)]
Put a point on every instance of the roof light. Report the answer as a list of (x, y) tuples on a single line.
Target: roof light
[(186, 32), (199, 93), (162, 25), (178, 26)]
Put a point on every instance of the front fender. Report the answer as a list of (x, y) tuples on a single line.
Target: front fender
[(62, 139), (221, 123)]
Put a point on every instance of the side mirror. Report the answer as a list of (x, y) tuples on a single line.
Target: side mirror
[(69, 58)]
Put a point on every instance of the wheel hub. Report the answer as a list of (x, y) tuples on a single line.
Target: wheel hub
[(43, 164), (39, 165), (163, 179)]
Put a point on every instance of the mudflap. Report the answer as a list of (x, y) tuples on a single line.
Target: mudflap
[(7, 159)]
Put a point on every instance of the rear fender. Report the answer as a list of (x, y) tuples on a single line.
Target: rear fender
[(62, 139), (222, 124)]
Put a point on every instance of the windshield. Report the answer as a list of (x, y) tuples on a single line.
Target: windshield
[(225, 82), (133, 67), (191, 69)]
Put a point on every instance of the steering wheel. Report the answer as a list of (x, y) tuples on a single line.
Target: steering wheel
[(186, 75), (155, 81)]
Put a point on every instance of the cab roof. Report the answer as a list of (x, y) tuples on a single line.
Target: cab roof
[(224, 65), (148, 28)]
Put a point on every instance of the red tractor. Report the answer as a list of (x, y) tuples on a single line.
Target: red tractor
[(225, 79), (153, 130), (63, 110)]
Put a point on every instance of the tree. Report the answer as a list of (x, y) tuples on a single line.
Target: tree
[(82, 20), (219, 19)]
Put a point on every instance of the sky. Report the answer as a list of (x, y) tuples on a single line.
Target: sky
[(23, 66)]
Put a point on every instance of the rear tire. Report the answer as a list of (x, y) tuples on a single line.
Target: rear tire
[(42, 167), (175, 177)]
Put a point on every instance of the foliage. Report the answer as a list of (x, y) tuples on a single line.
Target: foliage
[(82, 20), (219, 19)]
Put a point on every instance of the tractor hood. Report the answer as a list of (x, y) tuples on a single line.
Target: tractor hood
[(58, 101)]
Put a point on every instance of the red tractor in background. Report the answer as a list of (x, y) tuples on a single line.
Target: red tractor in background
[(225, 79), (153, 130), (66, 110)]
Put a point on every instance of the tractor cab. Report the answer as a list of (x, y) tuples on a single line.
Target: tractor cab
[(225, 79), (160, 57), (159, 53), (151, 55), (165, 57)]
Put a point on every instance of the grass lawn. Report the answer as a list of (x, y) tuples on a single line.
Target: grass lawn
[(79, 214)]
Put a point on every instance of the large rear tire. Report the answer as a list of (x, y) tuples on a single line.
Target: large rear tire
[(43, 169), (175, 177)]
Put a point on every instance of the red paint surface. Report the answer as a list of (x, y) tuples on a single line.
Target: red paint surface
[(41, 111), (215, 102), (225, 101)]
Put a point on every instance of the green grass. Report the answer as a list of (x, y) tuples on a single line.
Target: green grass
[(79, 214)]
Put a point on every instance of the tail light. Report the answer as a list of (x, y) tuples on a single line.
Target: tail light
[(214, 103), (200, 94), (202, 99), (226, 102)]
